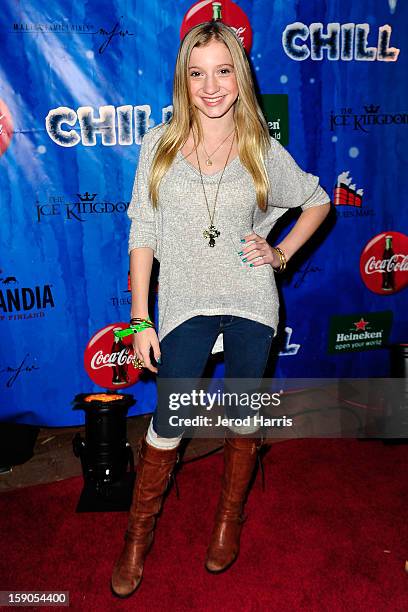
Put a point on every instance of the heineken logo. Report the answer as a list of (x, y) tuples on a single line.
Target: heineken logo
[(359, 332), (275, 108)]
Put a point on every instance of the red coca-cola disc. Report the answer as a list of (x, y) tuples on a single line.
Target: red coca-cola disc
[(6, 127), (384, 263), (232, 15), (108, 361)]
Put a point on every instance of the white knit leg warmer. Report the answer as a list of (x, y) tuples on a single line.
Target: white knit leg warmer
[(158, 442)]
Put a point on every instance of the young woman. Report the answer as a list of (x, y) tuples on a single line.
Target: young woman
[(209, 187)]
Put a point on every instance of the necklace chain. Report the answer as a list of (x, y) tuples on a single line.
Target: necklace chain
[(212, 232), (208, 160)]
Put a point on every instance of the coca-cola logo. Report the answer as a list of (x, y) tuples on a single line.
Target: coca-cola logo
[(384, 263), (109, 360), (231, 14), (6, 127)]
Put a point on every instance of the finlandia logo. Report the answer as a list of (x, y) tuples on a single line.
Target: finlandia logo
[(19, 302)]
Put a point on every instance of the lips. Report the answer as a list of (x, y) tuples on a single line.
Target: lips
[(213, 101)]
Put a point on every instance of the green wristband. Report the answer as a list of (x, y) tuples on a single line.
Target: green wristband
[(121, 333), (132, 329)]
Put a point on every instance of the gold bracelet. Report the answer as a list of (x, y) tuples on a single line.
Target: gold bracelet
[(282, 259)]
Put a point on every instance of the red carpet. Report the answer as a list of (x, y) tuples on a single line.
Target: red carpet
[(316, 539)]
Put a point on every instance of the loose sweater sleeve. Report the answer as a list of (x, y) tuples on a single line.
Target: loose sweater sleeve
[(143, 231), (290, 187)]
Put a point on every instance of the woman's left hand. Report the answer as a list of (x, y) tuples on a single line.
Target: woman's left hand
[(259, 248)]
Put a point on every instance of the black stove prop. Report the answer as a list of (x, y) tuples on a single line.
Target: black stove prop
[(105, 453)]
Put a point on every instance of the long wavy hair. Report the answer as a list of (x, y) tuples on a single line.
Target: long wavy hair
[(251, 127)]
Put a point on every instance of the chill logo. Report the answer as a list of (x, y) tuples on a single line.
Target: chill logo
[(384, 263), (359, 332), (23, 303), (290, 348), (348, 199), (108, 360), (110, 125), (335, 41), (6, 127), (365, 120)]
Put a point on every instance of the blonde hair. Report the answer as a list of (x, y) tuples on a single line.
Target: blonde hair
[(251, 128)]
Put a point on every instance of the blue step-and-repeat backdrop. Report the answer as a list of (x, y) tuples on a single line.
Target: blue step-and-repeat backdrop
[(81, 82)]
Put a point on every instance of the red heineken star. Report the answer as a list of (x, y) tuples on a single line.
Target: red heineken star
[(361, 324)]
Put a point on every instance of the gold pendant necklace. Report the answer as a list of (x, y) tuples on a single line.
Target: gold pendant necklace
[(212, 232), (208, 160)]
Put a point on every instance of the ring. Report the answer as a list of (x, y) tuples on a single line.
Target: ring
[(138, 363)]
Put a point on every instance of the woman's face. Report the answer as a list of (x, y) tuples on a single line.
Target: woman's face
[(212, 82)]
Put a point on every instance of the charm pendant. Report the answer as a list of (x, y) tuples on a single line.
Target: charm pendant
[(211, 233), (208, 162)]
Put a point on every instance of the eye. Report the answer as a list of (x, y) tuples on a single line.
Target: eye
[(194, 73), (225, 71)]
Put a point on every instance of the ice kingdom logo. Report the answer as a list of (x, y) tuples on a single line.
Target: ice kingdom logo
[(371, 117)]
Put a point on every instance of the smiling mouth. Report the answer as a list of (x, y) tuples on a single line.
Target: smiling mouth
[(213, 100)]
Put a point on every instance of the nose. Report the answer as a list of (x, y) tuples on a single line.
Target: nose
[(211, 85)]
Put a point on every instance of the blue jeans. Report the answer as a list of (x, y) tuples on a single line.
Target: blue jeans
[(186, 349)]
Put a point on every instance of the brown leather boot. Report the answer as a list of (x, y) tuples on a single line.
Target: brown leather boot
[(154, 470), (240, 456)]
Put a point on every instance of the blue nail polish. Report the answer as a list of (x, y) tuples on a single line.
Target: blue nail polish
[(242, 240), (240, 253), (159, 360), (244, 259), (251, 265)]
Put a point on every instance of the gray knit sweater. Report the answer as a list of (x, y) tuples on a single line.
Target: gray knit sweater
[(194, 278)]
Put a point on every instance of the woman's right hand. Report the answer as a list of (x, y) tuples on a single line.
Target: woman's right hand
[(142, 342)]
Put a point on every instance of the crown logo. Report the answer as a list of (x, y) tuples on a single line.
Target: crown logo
[(87, 197), (372, 109)]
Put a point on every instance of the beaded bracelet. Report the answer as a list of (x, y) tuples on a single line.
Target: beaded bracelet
[(136, 320)]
